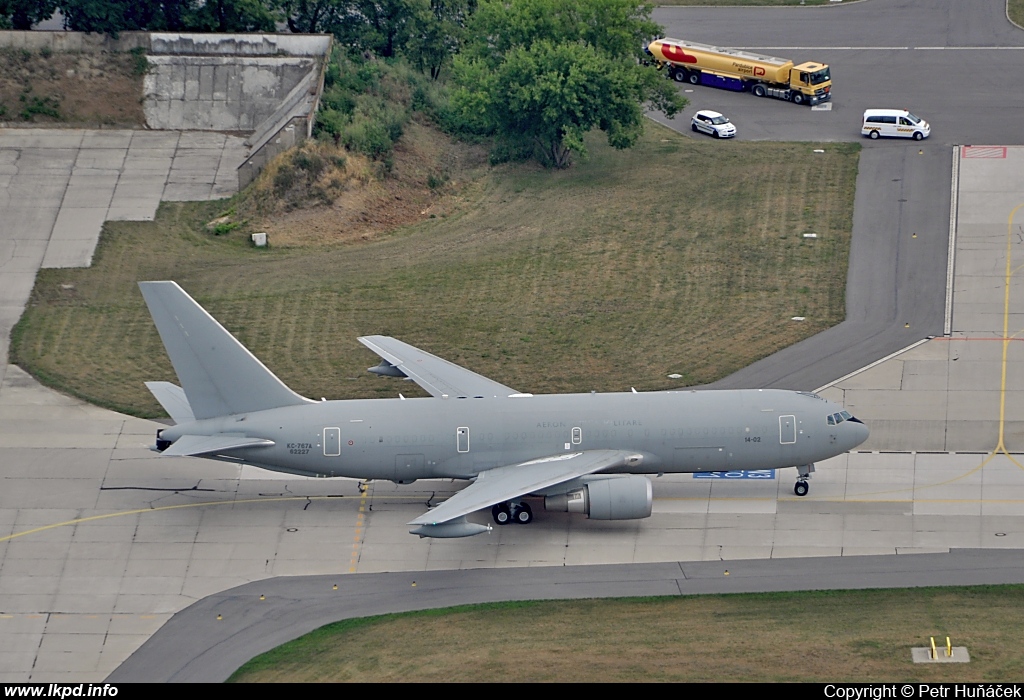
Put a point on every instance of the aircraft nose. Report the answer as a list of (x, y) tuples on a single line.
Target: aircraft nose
[(858, 432)]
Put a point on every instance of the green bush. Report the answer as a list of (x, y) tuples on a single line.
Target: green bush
[(367, 103)]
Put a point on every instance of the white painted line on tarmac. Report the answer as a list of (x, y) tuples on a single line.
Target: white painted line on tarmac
[(969, 48), (826, 48), (882, 48), (954, 191), (855, 372)]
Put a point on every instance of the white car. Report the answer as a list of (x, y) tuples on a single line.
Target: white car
[(894, 122), (713, 123)]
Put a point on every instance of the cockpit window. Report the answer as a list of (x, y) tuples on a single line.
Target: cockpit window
[(846, 415), (832, 420)]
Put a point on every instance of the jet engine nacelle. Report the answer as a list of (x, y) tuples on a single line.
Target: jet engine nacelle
[(613, 498)]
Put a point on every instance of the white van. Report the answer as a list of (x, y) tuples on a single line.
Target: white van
[(894, 122)]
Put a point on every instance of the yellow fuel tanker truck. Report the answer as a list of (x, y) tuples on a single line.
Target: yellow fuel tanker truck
[(732, 69)]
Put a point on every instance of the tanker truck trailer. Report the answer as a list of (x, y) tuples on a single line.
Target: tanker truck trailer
[(733, 69)]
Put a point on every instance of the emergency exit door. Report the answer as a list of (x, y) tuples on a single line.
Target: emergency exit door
[(332, 442), (787, 429)]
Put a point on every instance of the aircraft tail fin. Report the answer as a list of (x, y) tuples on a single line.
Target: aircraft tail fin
[(218, 374)]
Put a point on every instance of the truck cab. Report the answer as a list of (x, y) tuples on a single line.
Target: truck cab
[(812, 80)]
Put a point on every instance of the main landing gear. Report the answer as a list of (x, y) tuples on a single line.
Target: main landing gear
[(512, 512), (803, 474)]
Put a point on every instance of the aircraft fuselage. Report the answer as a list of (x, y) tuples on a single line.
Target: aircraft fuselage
[(407, 439)]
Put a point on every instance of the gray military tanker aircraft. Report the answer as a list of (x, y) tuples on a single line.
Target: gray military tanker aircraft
[(580, 453)]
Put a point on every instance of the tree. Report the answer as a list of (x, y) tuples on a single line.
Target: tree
[(22, 14), (617, 28), (381, 27), (546, 72), (233, 16), (437, 34), (113, 16), (314, 16)]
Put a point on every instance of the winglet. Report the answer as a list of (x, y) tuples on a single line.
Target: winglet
[(219, 375)]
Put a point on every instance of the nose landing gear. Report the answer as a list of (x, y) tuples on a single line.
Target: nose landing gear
[(804, 473)]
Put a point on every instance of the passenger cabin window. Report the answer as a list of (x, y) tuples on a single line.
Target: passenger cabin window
[(888, 120)]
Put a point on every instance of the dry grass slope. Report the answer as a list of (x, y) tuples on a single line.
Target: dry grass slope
[(679, 256), (89, 89)]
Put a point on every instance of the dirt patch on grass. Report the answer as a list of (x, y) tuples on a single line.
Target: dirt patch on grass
[(94, 89), (322, 195)]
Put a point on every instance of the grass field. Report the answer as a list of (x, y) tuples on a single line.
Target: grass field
[(826, 636), (1015, 9), (683, 255)]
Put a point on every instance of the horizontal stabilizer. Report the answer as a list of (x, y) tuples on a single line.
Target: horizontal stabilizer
[(198, 445), (172, 398)]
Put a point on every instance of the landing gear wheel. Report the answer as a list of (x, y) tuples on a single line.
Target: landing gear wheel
[(501, 514), (801, 488), (523, 514)]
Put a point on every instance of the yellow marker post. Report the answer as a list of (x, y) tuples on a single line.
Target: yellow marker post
[(949, 648), (934, 653)]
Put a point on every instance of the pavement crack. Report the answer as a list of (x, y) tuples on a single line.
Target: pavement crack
[(170, 489)]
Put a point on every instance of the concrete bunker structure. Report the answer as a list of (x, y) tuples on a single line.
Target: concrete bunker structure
[(264, 85)]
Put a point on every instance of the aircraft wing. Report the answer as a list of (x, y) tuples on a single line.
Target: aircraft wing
[(506, 483), (438, 377)]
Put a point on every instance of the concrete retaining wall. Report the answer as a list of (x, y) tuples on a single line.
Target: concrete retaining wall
[(176, 43), (219, 93), (179, 44), (72, 41)]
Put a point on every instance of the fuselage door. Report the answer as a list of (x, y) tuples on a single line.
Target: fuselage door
[(332, 442), (787, 429), (462, 439)]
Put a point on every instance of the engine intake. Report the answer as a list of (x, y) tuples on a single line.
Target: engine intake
[(611, 498)]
